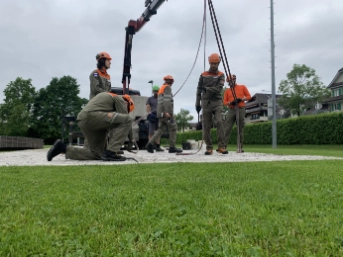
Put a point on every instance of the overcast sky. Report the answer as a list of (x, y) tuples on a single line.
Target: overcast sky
[(42, 39)]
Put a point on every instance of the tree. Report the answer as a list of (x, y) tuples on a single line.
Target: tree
[(16, 111), (59, 99), (302, 89), (182, 119)]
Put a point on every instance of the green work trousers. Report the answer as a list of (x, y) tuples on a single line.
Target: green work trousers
[(164, 123), (230, 121), (95, 129), (212, 113)]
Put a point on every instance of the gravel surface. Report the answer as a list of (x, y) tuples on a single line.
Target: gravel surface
[(38, 158)]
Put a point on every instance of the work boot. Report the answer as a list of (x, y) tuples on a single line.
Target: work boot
[(112, 156), (120, 152), (222, 151), (150, 148), (159, 149), (173, 149), (58, 148), (209, 152)]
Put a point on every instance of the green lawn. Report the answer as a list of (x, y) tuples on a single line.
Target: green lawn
[(228, 209)]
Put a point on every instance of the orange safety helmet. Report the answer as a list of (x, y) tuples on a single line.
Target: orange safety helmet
[(214, 58), (103, 55), (232, 77), (131, 105), (170, 77)]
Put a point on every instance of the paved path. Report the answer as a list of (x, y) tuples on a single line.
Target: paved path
[(38, 158)]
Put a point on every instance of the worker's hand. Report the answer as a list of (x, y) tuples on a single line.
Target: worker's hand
[(167, 115), (239, 100), (234, 102), (198, 108)]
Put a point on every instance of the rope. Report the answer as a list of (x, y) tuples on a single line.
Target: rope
[(226, 67), (203, 32), (135, 152), (196, 57), (131, 158)]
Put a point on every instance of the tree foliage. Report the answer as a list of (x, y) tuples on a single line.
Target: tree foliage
[(59, 99), (182, 119), (16, 111), (301, 90)]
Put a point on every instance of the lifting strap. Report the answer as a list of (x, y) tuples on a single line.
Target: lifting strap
[(226, 68)]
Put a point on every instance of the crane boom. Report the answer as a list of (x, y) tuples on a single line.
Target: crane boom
[(133, 27)]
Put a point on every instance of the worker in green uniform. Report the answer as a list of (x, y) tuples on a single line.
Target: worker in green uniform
[(103, 112), (209, 99)]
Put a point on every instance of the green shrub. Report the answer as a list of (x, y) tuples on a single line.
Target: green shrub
[(318, 129)]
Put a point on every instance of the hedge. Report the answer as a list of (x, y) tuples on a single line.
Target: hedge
[(318, 129)]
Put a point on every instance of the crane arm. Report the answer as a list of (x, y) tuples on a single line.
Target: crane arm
[(133, 27)]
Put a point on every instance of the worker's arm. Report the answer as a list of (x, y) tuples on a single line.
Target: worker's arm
[(226, 97), (199, 90), (218, 87), (247, 95), (168, 101)]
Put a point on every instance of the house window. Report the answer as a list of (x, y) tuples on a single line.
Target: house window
[(336, 107), (255, 116), (336, 92)]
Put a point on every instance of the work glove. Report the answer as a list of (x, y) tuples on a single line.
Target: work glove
[(198, 108), (234, 102), (239, 100)]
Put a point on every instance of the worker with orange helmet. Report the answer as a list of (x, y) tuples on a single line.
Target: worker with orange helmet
[(100, 80), (151, 108), (209, 99), (106, 111), (242, 94), (165, 115)]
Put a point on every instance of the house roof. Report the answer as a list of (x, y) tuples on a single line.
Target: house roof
[(258, 99), (333, 84), (333, 99)]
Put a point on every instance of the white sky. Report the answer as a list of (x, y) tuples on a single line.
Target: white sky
[(41, 39)]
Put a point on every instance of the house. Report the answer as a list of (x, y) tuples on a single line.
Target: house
[(257, 110), (335, 102)]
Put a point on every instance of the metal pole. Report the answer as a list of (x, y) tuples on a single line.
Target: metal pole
[(273, 71), (152, 85)]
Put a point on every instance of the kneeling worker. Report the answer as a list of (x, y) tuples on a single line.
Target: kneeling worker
[(104, 111), (165, 113)]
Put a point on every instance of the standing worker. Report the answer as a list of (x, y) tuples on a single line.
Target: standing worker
[(100, 80), (165, 115), (103, 112), (242, 95), (209, 91), (151, 108)]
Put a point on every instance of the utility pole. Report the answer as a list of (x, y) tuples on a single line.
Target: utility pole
[(152, 85), (273, 71)]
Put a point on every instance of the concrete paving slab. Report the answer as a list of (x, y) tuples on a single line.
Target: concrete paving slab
[(38, 158)]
